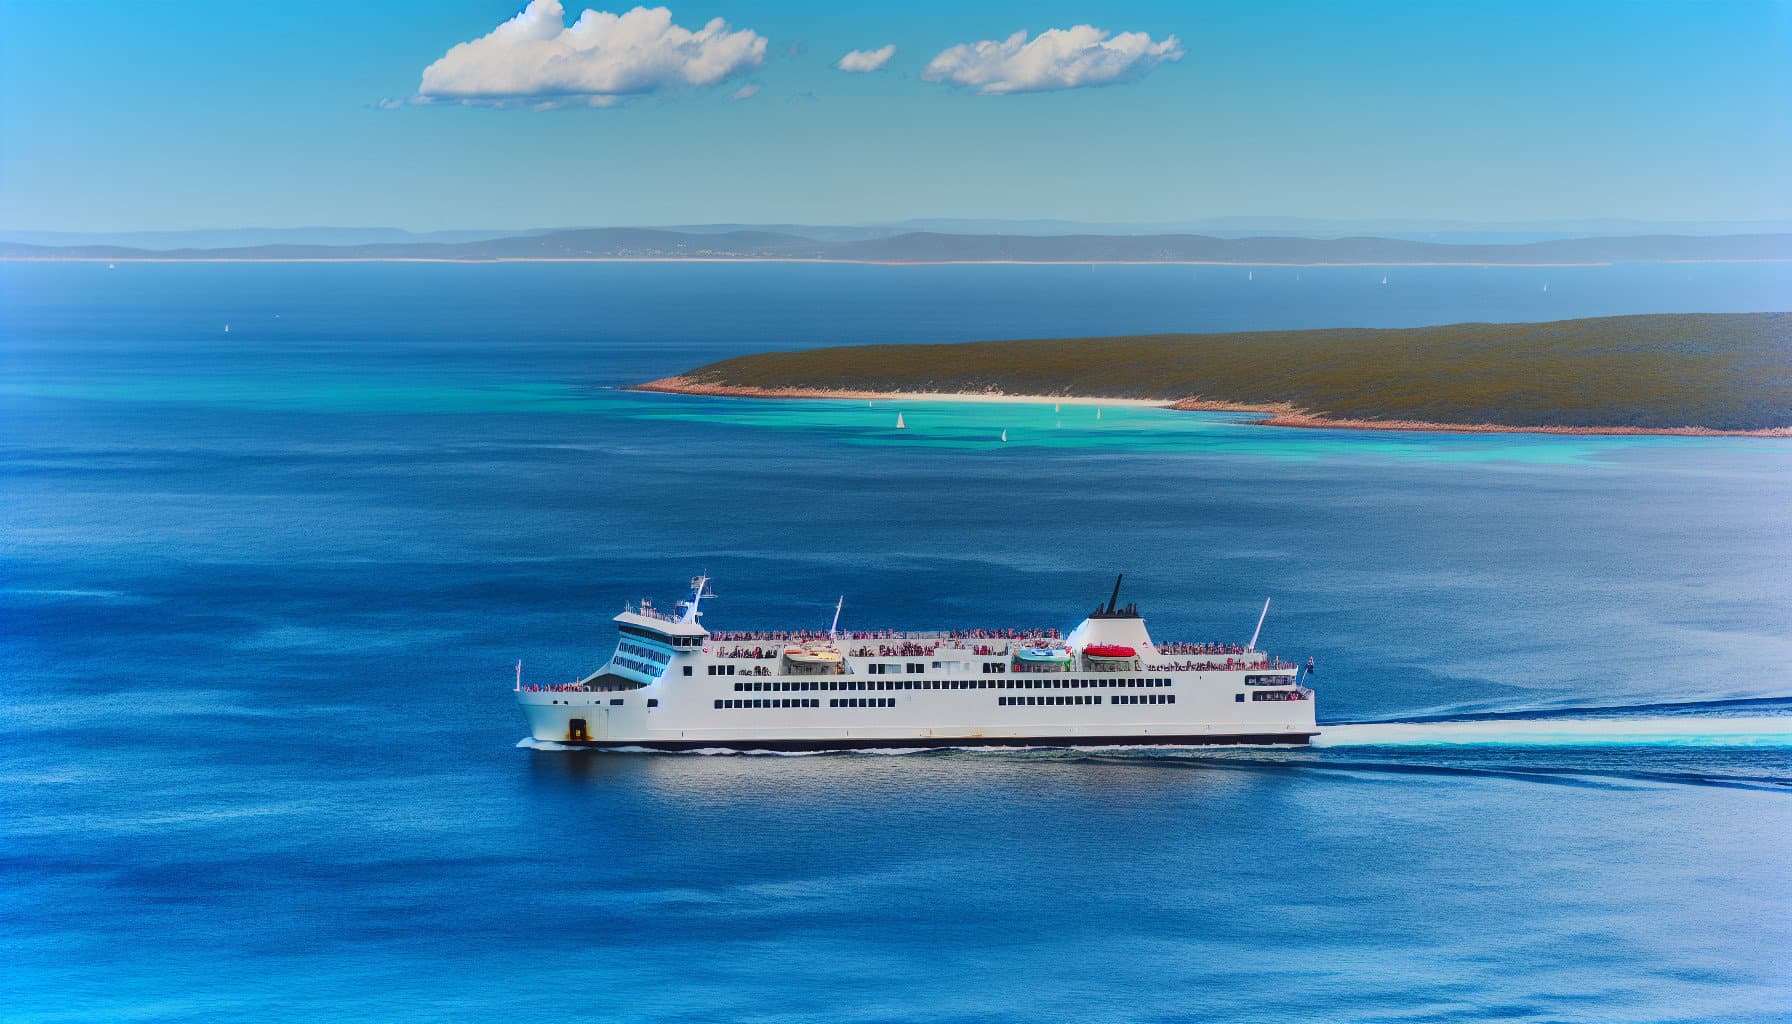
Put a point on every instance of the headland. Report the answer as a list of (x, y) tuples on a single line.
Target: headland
[(1693, 374)]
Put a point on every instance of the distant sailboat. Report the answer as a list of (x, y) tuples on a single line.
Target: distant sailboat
[(226, 328), (1384, 279), (1546, 286), (111, 266), (1098, 412), (1250, 275), (1055, 407), (869, 403), (1004, 435), (899, 424)]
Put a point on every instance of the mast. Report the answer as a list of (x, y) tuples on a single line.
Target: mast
[(835, 627), (1253, 644), (699, 591)]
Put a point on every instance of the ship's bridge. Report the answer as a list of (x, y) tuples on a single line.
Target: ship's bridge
[(650, 638)]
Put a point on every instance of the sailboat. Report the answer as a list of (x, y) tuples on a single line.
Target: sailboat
[(1055, 407), (111, 266), (1250, 275), (1004, 434), (899, 424), (226, 328), (1098, 412), (1384, 279)]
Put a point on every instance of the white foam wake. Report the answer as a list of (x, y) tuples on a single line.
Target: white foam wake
[(1665, 731)]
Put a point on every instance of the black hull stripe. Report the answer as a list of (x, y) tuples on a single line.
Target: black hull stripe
[(866, 743)]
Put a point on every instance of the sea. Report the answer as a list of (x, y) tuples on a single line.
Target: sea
[(273, 538)]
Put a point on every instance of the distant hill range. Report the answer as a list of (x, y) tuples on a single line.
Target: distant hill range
[(1692, 373), (865, 246)]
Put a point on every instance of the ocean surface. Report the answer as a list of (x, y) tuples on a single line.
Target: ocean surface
[(262, 591)]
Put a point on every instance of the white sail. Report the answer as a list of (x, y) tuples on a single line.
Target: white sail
[(899, 424), (1004, 435)]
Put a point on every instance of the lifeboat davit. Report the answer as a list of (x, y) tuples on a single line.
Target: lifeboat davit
[(1043, 655), (812, 656), (1109, 652)]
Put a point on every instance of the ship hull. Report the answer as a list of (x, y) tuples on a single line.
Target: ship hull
[(942, 742)]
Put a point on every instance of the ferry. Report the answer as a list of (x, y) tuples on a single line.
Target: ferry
[(673, 684)]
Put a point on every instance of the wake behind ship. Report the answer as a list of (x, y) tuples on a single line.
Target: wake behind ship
[(672, 684)]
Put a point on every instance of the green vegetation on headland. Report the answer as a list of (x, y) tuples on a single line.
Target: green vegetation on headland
[(1703, 372)]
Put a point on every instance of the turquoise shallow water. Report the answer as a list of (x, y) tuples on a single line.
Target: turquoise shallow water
[(261, 595)]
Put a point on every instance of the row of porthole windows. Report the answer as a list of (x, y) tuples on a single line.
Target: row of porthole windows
[(1053, 701), (810, 702), (1144, 698), (948, 684)]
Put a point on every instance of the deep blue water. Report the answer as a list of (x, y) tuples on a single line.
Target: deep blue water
[(260, 595)]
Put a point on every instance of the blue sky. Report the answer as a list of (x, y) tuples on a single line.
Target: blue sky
[(126, 116)]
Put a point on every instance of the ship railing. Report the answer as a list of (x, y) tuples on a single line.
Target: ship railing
[(648, 612), (1217, 666)]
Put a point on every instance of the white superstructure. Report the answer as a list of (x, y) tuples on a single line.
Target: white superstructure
[(672, 684)]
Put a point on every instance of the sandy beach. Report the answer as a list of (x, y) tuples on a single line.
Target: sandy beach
[(1278, 415)]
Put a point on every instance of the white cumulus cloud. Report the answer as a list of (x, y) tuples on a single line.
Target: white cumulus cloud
[(537, 59), (1059, 58), (862, 61)]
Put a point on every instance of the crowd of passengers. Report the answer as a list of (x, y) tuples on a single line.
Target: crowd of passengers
[(1213, 648), (905, 649), (784, 636), (1218, 666)]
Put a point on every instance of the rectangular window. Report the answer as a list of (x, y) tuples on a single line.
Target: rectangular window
[(1238, 697), (616, 701), (653, 702), (687, 670)]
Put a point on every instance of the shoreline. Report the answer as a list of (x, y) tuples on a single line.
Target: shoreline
[(475, 261), (1279, 414)]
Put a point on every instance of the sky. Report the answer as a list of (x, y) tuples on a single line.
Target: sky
[(119, 116)]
